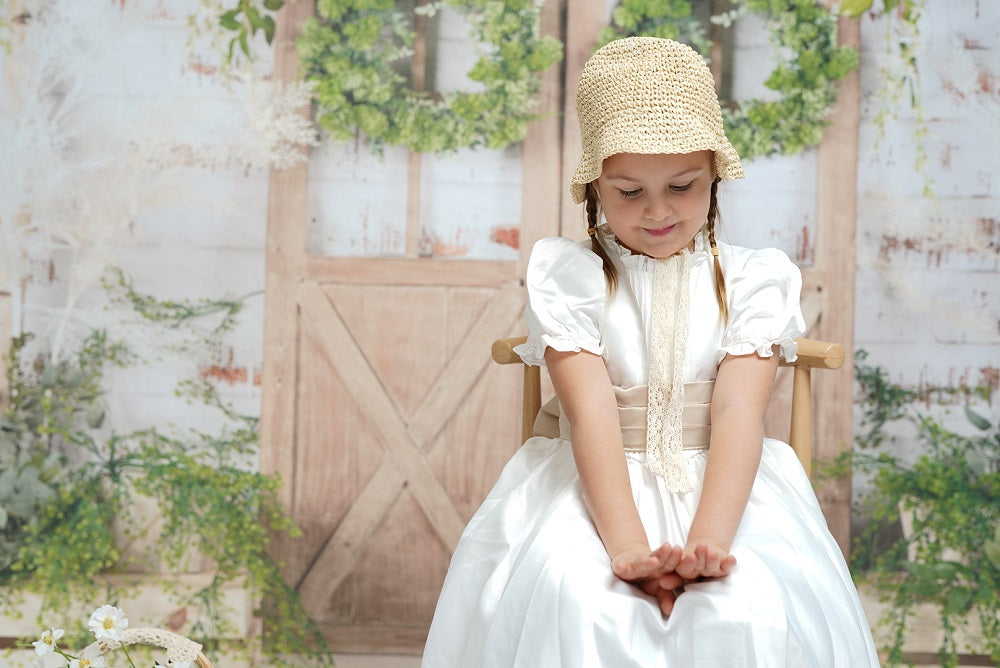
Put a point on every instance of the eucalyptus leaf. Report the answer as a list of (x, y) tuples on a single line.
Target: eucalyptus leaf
[(94, 415), (7, 479), (977, 420)]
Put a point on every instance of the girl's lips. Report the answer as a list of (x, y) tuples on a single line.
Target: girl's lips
[(659, 232)]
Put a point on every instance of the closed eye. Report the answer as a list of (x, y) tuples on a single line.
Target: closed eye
[(630, 194), (683, 188)]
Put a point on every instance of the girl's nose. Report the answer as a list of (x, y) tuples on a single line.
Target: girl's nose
[(658, 209)]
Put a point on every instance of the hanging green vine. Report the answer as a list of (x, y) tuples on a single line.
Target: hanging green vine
[(806, 81), (351, 50), (902, 42)]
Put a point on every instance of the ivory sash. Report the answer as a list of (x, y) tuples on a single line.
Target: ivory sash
[(632, 401)]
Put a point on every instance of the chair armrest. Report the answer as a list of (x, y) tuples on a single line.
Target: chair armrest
[(503, 350)]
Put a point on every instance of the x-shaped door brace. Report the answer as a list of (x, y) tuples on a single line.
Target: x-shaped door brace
[(404, 464)]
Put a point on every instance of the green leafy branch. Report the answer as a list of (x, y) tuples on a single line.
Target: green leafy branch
[(246, 19), (950, 491)]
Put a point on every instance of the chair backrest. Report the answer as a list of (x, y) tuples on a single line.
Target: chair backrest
[(812, 354)]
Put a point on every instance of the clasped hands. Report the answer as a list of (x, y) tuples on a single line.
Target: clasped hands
[(663, 571)]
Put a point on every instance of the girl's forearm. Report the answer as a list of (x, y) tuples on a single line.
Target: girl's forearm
[(733, 459), (584, 389), (607, 490), (742, 390)]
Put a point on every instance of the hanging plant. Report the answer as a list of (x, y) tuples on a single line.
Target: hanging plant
[(352, 48), (806, 79)]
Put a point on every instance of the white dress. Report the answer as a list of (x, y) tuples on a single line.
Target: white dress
[(530, 583)]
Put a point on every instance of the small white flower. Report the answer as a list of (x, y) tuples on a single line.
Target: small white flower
[(107, 623), (96, 662), (47, 642)]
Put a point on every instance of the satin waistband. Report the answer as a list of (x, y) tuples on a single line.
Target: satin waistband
[(632, 402)]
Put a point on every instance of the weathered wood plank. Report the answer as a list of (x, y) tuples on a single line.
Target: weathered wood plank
[(401, 271), (337, 558), (836, 222), (286, 249), (465, 366), (584, 21), (542, 177)]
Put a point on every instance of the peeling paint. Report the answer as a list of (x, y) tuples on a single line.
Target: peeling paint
[(202, 68), (988, 236), (431, 245), (970, 44), (990, 377), (946, 155), (507, 235), (987, 82), (232, 375), (805, 249)]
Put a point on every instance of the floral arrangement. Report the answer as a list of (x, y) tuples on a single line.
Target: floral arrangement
[(810, 64), (111, 630)]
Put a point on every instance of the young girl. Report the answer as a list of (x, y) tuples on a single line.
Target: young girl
[(673, 535)]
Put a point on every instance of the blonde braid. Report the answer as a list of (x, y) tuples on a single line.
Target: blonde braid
[(593, 210), (720, 280)]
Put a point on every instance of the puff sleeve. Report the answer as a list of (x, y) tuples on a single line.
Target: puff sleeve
[(763, 288), (566, 300)]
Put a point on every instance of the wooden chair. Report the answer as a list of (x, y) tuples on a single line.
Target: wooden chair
[(812, 354)]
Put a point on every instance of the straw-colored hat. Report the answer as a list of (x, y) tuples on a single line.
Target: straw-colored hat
[(648, 95)]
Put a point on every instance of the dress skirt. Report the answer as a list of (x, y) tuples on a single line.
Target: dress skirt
[(530, 583)]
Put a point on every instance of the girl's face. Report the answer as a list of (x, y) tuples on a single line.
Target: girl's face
[(655, 204)]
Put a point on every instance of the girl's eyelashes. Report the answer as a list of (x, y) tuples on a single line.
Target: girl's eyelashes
[(632, 194)]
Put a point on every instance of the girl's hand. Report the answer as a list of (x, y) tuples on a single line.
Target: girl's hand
[(653, 572), (705, 560)]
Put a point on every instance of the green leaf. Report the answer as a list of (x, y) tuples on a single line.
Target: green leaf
[(228, 20), (959, 600), (977, 420), (244, 44), (855, 8), (273, 5), (269, 27)]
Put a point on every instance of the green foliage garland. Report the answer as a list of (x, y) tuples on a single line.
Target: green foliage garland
[(806, 81), (350, 51)]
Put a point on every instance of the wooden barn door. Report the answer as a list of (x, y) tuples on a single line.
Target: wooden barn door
[(382, 410)]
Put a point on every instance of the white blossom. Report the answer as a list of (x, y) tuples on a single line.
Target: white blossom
[(47, 642), (108, 622)]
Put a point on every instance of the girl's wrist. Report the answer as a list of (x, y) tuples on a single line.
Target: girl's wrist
[(623, 548)]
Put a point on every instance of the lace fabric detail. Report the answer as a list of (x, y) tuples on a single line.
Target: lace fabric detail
[(667, 351)]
